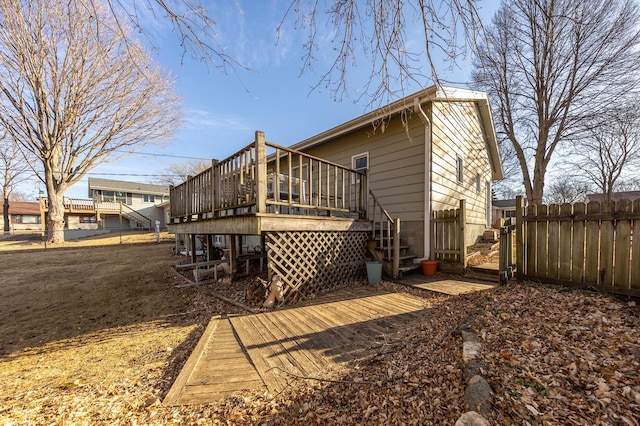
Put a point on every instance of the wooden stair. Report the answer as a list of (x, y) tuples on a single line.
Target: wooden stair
[(406, 259), (485, 272)]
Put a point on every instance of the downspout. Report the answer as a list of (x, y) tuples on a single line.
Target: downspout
[(417, 107)]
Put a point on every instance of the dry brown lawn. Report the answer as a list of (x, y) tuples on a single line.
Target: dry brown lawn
[(93, 330), (96, 331)]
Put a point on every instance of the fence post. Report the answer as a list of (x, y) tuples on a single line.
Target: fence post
[(519, 238), (261, 172), (462, 217)]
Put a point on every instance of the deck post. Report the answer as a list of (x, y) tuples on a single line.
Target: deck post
[(233, 258), (261, 173)]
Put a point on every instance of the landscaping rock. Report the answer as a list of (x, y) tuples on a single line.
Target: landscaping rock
[(477, 395), (471, 418)]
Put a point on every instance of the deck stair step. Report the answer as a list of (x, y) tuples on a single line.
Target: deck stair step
[(483, 272)]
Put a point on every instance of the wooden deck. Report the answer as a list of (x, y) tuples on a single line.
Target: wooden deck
[(261, 351), (447, 286)]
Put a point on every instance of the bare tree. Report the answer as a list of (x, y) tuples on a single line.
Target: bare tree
[(611, 148), (75, 93), (566, 189), (177, 173), (551, 66), (14, 170)]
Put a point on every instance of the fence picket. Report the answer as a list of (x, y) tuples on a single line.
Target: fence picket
[(592, 245), (564, 241), (553, 241), (542, 229), (607, 245), (635, 247), (622, 245), (531, 240), (577, 243)]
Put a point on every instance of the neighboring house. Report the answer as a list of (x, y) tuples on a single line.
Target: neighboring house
[(116, 204), (503, 209), (318, 201), (147, 200), (617, 196), (23, 216)]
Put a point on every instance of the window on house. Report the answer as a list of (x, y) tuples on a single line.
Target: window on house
[(27, 219), (87, 219), (359, 162), (106, 195), (460, 169), (478, 183), (149, 198)]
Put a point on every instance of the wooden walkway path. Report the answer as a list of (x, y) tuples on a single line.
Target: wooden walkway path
[(262, 351)]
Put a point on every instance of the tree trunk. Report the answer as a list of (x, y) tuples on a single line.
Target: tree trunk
[(55, 216), (5, 215)]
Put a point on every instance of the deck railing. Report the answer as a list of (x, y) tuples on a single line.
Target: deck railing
[(267, 178)]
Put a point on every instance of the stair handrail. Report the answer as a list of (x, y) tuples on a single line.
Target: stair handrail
[(136, 215), (393, 233)]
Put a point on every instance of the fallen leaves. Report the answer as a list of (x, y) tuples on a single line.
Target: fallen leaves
[(566, 357)]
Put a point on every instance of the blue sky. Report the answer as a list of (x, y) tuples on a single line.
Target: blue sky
[(222, 112)]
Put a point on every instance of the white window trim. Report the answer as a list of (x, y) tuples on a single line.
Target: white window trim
[(353, 164)]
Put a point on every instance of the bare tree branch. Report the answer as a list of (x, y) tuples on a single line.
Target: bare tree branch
[(378, 31), (611, 151)]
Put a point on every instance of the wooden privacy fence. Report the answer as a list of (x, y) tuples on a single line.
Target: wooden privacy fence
[(582, 244), (447, 238)]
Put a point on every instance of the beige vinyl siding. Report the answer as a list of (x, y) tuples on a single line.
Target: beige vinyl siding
[(148, 209), (396, 164), (457, 131)]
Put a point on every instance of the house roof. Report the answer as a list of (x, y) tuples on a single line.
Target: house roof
[(22, 207), (125, 186), (617, 196), (430, 94), (506, 203)]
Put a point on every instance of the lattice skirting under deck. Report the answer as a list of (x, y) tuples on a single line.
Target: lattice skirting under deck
[(312, 262)]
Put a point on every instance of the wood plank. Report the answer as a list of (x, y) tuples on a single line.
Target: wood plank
[(623, 246), (592, 245), (578, 244), (290, 325), (173, 396), (607, 243), (541, 242), (635, 249), (564, 244), (306, 364), (264, 351), (453, 287), (553, 241), (530, 231)]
